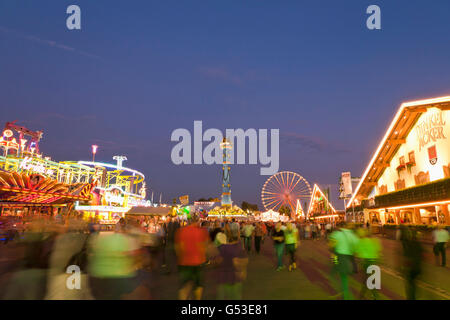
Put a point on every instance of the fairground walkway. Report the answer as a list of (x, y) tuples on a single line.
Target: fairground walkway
[(313, 280)]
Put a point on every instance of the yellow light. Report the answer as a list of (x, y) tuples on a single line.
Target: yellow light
[(426, 101), (327, 216), (316, 187), (426, 204)]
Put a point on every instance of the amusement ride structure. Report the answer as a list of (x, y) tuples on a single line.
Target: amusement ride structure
[(226, 208), (226, 186), (30, 179), (285, 189)]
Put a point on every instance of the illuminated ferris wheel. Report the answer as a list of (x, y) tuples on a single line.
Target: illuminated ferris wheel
[(285, 188)]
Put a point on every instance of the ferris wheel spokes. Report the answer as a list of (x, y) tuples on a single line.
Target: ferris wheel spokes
[(284, 188)]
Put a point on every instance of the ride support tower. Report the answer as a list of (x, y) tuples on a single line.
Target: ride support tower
[(226, 186)]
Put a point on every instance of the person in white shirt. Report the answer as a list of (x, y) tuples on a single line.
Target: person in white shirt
[(247, 233), (440, 237)]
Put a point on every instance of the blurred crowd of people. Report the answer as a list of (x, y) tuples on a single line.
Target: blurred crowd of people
[(116, 264)]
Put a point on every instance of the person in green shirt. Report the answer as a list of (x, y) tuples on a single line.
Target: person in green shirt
[(291, 241), (112, 265), (368, 252), (343, 244)]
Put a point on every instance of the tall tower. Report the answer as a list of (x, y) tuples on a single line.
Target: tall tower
[(226, 186)]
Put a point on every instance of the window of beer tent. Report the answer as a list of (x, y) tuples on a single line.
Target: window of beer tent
[(411, 158)]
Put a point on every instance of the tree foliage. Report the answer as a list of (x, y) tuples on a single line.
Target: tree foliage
[(248, 206)]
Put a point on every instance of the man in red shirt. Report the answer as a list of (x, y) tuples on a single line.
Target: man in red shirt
[(190, 245)]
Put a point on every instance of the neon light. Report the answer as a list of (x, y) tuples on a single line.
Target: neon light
[(102, 208), (426, 101), (328, 216), (27, 165), (114, 198), (120, 189), (11, 144), (427, 204), (90, 163), (7, 133), (132, 202), (316, 187)]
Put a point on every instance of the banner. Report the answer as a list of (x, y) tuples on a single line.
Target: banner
[(346, 181)]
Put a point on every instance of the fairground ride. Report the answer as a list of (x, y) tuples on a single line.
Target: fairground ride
[(28, 178), (285, 189)]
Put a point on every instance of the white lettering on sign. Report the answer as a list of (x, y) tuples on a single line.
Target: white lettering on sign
[(39, 168), (112, 198), (133, 202)]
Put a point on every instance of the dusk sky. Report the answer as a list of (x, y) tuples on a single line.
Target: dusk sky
[(137, 70)]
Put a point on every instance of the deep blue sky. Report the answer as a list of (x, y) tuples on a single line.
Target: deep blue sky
[(140, 69)]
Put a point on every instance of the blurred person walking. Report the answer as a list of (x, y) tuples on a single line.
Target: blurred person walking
[(307, 231), (247, 232), (314, 231), (70, 249), (190, 245), (112, 264), (291, 240), (368, 251), (440, 238), (328, 228), (29, 282), (278, 241), (343, 244), (412, 260), (232, 269), (259, 235)]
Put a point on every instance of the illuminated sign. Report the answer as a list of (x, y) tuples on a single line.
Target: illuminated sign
[(7, 133), (39, 168), (133, 202), (430, 129), (9, 144), (204, 203), (102, 208), (117, 196), (114, 198)]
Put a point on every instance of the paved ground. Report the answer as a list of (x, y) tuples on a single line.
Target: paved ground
[(311, 280)]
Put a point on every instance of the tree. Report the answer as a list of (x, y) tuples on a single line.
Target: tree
[(210, 199), (248, 206), (285, 210)]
